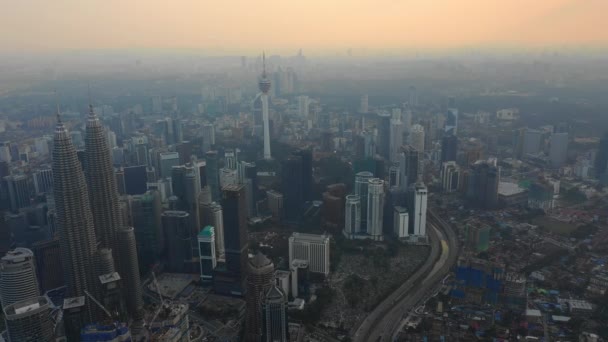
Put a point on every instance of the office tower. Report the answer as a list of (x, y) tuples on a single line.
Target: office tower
[(111, 137), (167, 160), (361, 190), (275, 204), (138, 148), (235, 231), (43, 180), (275, 322), (259, 280), (230, 159), (364, 104), (19, 191), (213, 174), (306, 155), (601, 158), (293, 189), (303, 103), (332, 210), (401, 222), (352, 216), (127, 249), (417, 138), (228, 177), (213, 215), (451, 122), (369, 144), (136, 179), (417, 204), (482, 185), (186, 151), (449, 148), (396, 134), (150, 175), (207, 253), (558, 152), (146, 212), (103, 192), (48, 264), (74, 220), (375, 208), (409, 165), (248, 176), (208, 133), (178, 238), (312, 248), (384, 134), (18, 276), (30, 320), (394, 177), (531, 142), (186, 187), (413, 96), (450, 176), (264, 86)]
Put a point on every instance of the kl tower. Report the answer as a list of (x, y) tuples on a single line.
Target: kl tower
[(264, 88)]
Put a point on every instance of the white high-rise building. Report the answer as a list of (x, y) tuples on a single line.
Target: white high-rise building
[(303, 103), (217, 221), (207, 253), (352, 216), (312, 248), (396, 135), (18, 277), (450, 176), (417, 138), (419, 207), (375, 208), (401, 222), (230, 158)]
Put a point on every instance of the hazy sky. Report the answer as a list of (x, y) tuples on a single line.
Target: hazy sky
[(248, 26)]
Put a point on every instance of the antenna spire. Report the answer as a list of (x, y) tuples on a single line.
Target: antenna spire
[(263, 64), (90, 101), (58, 113)]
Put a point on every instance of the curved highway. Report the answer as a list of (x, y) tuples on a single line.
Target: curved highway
[(382, 323)]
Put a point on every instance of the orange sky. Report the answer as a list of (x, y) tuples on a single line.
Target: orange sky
[(320, 25)]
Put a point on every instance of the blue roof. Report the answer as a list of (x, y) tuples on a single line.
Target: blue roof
[(208, 231)]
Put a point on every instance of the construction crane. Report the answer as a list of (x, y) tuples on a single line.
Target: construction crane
[(98, 304), (162, 302)]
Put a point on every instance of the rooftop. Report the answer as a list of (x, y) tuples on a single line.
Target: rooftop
[(310, 237), (509, 189), (207, 232)]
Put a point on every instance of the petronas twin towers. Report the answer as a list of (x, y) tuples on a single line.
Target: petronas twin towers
[(88, 213)]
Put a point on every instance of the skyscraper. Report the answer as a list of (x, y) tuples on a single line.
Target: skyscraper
[(127, 249), (48, 264), (352, 216), (235, 232), (375, 208), (43, 180), (30, 320), (146, 212), (482, 185), (306, 155), (176, 226), (74, 218), (213, 174), (450, 176), (384, 134), (259, 280), (396, 135), (19, 191), (166, 161), (417, 209), (601, 158), (207, 253), (264, 85), (276, 324), (449, 148), (417, 138), (293, 189), (18, 276), (310, 247), (451, 122), (361, 190)]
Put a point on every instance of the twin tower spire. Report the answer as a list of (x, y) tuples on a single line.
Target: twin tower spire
[(88, 213)]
